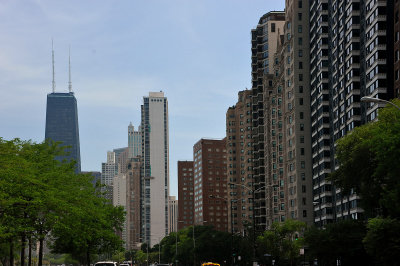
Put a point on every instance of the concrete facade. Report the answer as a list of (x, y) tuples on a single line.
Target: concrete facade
[(155, 154)]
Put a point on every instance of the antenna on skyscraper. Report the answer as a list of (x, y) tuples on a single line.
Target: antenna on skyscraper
[(52, 54), (69, 65)]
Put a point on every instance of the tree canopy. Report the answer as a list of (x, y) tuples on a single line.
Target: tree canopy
[(39, 195)]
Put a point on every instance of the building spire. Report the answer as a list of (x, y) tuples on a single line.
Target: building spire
[(69, 66), (52, 54)]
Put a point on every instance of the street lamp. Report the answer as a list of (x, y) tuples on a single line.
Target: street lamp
[(369, 99), (253, 191)]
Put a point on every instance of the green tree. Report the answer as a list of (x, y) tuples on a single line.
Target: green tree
[(383, 240), (369, 160), (282, 241), (341, 240)]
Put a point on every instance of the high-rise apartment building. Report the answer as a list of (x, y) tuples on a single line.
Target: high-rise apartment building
[(264, 41), (62, 124), (210, 183), (351, 57), (172, 214), (134, 142), (155, 155), (240, 163), (185, 194), (286, 123)]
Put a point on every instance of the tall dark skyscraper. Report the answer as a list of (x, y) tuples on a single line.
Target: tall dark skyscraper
[(62, 120), (62, 124)]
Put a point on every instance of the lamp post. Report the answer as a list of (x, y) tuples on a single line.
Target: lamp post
[(369, 99), (253, 191)]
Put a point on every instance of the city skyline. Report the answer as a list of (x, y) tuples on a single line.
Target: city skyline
[(118, 55)]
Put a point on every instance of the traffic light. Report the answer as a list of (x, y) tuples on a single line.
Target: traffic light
[(296, 237)]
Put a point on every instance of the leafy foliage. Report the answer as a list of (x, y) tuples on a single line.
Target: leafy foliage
[(341, 240), (282, 241), (383, 240), (39, 194), (369, 159)]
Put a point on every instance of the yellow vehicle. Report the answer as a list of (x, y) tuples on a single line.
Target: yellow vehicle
[(210, 264)]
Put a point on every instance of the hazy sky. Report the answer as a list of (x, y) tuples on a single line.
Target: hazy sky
[(196, 51)]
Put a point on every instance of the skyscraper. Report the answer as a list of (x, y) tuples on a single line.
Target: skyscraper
[(62, 124), (62, 121), (155, 154)]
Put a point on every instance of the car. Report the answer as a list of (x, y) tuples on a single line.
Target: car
[(106, 263)]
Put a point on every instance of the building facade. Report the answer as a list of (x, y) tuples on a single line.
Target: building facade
[(185, 194), (134, 203), (134, 141), (172, 214), (62, 124), (396, 51), (264, 41), (351, 57), (240, 163), (119, 199), (210, 184), (155, 155)]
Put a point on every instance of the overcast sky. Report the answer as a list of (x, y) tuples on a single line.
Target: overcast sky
[(196, 51)]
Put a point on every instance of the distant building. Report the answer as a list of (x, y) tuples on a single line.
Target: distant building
[(185, 194), (62, 124), (155, 155), (109, 169), (210, 184), (173, 214), (121, 159), (133, 210), (134, 142), (119, 199)]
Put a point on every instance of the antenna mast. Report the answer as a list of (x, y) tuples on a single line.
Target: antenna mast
[(69, 65), (52, 53)]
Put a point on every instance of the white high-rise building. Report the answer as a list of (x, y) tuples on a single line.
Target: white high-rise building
[(155, 155)]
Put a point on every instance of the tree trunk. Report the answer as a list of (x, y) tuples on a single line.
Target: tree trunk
[(11, 252), (41, 240), (23, 244), (88, 257), (29, 251)]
